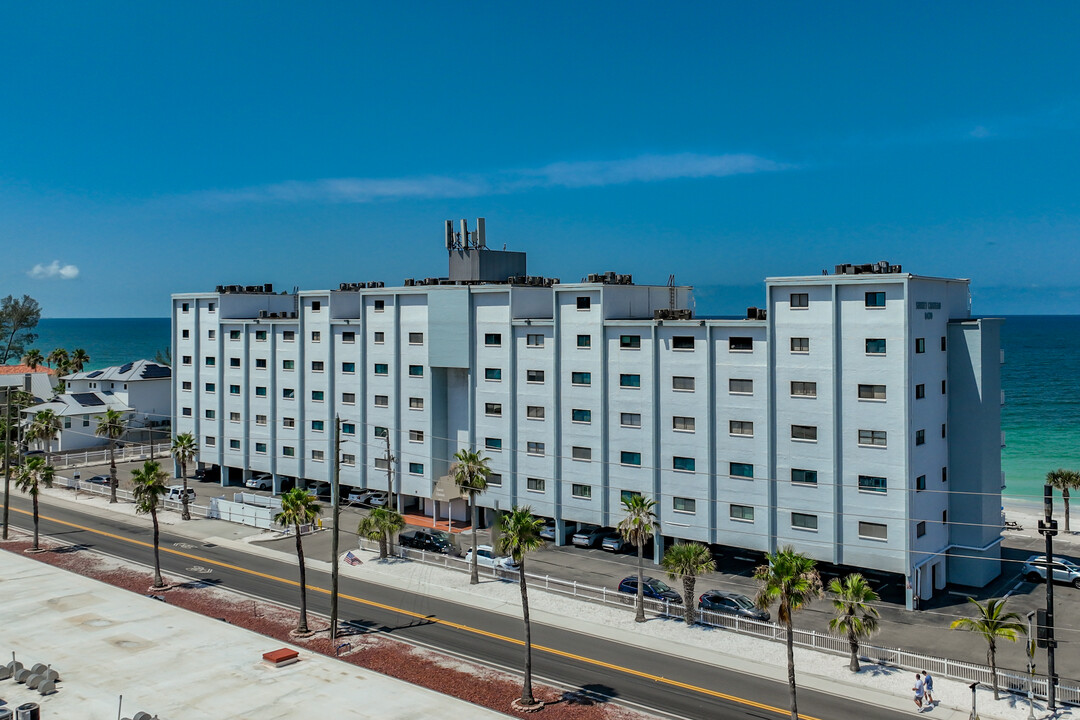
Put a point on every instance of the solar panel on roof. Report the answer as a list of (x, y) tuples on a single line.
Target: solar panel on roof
[(151, 371), (87, 399), (126, 368), (95, 373)]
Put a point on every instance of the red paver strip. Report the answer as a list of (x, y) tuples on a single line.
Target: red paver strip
[(278, 657)]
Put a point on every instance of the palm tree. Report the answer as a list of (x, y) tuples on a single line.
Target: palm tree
[(44, 428), (519, 534), (685, 561), (298, 507), (33, 358), (32, 475), (789, 579), (471, 471), (184, 449), (993, 623), (1064, 480), (79, 358), (113, 426), (637, 529), (855, 617), (381, 524), (57, 359), (148, 485)]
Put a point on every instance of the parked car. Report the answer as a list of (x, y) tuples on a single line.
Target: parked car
[(367, 498), (425, 540), (486, 557), (732, 604), (547, 532), (652, 588), (176, 492), (321, 490), (208, 474), (1065, 571), (260, 481), (588, 536), (100, 480), (613, 542)]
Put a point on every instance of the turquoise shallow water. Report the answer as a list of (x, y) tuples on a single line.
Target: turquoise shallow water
[(1041, 379)]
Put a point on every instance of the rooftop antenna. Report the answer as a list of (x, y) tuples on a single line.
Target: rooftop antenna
[(464, 233), (671, 291), (481, 233)]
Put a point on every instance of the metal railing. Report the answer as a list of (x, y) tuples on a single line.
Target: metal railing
[(894, 657), (127, 453)]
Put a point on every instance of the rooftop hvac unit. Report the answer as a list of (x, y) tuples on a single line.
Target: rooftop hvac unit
[(28, 711), (431, 281), (343, 286), (751, 313), (895, 269), (264, 314), (410, 282), (220, 289), (5, 713), (268, 288), (626, 279), (594, 278), (761, 314), (292, 315), (609, 277)]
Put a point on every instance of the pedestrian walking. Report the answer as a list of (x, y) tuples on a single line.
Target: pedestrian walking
[(928, 687), (918, 692)]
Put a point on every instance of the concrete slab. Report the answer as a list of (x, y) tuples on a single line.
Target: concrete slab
[(106, 642)]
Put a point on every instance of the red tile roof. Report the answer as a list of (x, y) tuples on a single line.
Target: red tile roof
[(22, 369)]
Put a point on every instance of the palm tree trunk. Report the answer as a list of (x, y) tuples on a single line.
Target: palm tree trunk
[(301, 625), (35, 520), (186, 514), (640, 616), (526, 687), (382, 545), (991, 655), (688, 599), (474, 577), (791, 670), (854, 643), (1065, 498), (158, 582), (112, 470)]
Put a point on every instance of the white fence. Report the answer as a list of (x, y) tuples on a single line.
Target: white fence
[(243, 513), (129, 452), (895, 657)]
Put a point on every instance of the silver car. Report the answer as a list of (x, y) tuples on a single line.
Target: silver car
[(1065, 571)]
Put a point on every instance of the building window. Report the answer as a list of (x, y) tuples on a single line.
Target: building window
[(869, 483), (581, 453), (581, 378), (348, 336), (875, 346), (803, 389), (316, 306), (681, 423), (742, 470), (494, 480), (288, 451), (186, 385), (630, 342), (234, 362), (286, 336), (260, 448), (800, 345), (942, 429), (534, 412), (234, 389), (493, 409), (288, 364), (584, 341), (803, 521), (379, 337), (742, 513), (316, 336), (416, 403), (211, 361), (347, 459), (348, 429), (684, 505), (800, 300), (873, 531), (876, 438), (380, 305), (416, 371), (493, 444), (211, 441), (260, 336), (920, 391), (803, 477), (416, 338), (288, 422), (382, 401), (943, 345), (583, 492), (185, 333), (260, 363), (740, 344), (382, 368), (535, 448), (317, 365), (318, 455), (920, 345), (920, 482), (942, 387), (804, 432), (234, 444), (630, 419), (628, 496), (210, 414), (629, 381), (682, 342), (416, 436), (186, 412), (875, 299), (535, 484), (534, 340), (740, 386), (381, 432), (493, 339), (741, 427), (317, 395), (349, 368), (584, 302), (381, 464), (317, 425), (186, 359), (210, 387), (494, 374), (184, 307), (683, 464), (630, 458), (871, 392), (920, 437), (920, 528), (682, 384), (211, 307), (581, 416), (416, 468), (534, 376)]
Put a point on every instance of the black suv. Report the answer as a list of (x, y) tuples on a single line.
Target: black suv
[(650, 588), (425, 540), (731, 604), (208, 474)]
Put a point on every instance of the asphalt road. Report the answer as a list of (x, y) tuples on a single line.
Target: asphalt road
[(666, 683)]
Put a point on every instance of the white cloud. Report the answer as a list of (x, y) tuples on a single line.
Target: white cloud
[(581, 174), (54, 270)]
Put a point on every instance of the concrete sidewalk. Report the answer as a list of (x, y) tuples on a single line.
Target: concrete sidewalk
[(106, 642)]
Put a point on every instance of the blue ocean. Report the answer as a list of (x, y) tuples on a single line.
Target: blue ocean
[(1041, 379)]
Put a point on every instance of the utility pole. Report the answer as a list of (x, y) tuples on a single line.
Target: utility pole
[(389, 488), (7, 458), (334, 538), (1048, 529)]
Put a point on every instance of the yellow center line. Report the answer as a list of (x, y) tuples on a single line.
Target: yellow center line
[(436, 620)]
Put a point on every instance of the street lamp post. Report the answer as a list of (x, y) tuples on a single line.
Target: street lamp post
[(1048, 529), (974, 713), (1031, 668)]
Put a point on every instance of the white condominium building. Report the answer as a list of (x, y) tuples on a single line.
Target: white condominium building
[(856, 416)]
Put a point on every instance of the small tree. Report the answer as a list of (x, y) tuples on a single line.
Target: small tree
[(58, 360), (148, 487), (112, 426), (686, 561), (78, 361), (34, 473), (994, 624), (470, 471), (855, 617), (520, 535), (789, 579), (1064, 480), (637, 529), (33, 358), (298, 507), (184, 449), (44, 428), (381, 524)]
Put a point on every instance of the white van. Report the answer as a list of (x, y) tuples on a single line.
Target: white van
[(176, 492)]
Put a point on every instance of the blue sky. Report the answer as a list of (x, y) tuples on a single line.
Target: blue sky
[(151, 148)]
